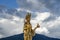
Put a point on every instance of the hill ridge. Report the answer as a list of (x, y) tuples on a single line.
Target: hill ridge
[(36, 37)]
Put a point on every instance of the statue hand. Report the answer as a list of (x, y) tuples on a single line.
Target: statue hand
[(38, 25)]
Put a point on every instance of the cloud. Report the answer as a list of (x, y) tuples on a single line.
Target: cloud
[(53, 27), (1, 36), (42, 16), (15, 23), (17, 30), (52, 6), (10, 27), (39, 19), (33, 5), (48, 28), (54, 22), (42, 30), (26, 10)]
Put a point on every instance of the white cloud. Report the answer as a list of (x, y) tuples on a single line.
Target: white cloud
[(1, 36), (26, 10), (54, 23), (39, 19), (11, 27), (17, 30), (15, 25), (2, 20), (53, 27), (42, 16), (34, 5), (34, 2), (16, 18), (47, 27), (42, 30)]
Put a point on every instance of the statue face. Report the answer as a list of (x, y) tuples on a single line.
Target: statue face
[(27, 20)]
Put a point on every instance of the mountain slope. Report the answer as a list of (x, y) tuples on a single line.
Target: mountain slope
[(36, 37)]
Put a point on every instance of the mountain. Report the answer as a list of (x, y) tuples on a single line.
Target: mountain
[(36, 37)]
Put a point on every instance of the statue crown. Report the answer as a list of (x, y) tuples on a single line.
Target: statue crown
[(28, 15)]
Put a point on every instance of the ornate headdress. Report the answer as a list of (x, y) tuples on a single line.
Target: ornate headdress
[(28, 15)]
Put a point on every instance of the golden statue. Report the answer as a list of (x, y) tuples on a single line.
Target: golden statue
[(28, 31)]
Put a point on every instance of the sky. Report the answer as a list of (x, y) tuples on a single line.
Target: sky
[(44, 12), (9, 3)]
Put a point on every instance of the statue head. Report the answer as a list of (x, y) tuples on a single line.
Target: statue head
[(28, 17)]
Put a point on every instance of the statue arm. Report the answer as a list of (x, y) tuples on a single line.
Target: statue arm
[(33, 30), (36, 27)]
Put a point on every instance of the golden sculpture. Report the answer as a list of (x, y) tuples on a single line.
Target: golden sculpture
[(28, 31)]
